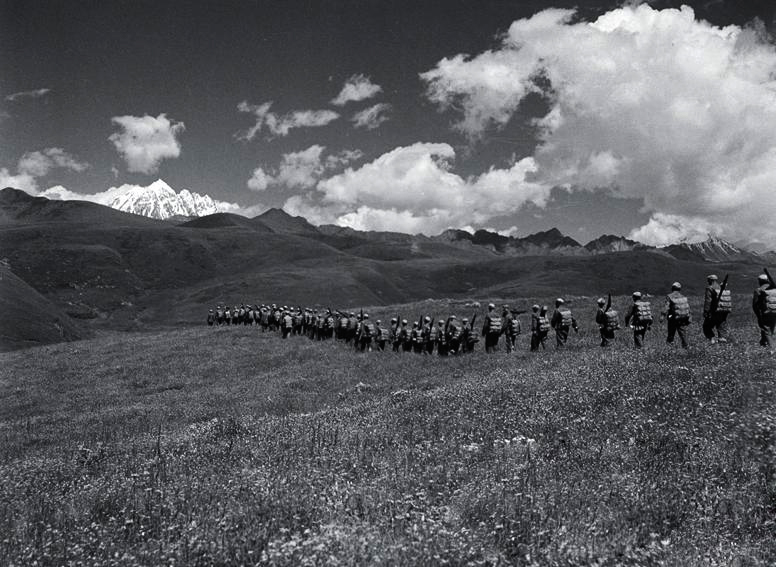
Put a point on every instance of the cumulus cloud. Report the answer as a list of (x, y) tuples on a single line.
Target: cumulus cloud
[(33, 165), (356, 88), (282, 125), (302, 169), (411, 189), (35, 93), (144, 141), (652, 104), (371, 118)]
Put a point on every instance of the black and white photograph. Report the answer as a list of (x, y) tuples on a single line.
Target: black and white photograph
[(391, 283)]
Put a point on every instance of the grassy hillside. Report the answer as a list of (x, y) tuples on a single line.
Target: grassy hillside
[(228, 446)]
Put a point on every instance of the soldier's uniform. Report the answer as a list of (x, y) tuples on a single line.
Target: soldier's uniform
[(764, 307), (441, 339), (677, 312), (607, 333), (492, 329), (562, 321), (539, 327), (211, 318), (454, 335), (715, 311), (432, 337), (382, 335), (637, 318)]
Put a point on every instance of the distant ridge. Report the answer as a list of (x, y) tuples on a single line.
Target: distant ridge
[(281, 222), (713, 249)]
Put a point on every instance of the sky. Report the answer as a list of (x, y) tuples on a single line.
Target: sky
[(653, 120)]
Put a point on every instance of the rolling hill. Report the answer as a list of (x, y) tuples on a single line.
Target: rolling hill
[(116, 270)]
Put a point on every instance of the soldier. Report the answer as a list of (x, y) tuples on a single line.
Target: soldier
[(432, 337), (492, 329), (211, 318), (677, 312), (368, 333), (405, 337), (395, 332), (764, 307), (639, 318), (286, 324), (469, 338), (512, 329), (381, 335), (416, 337), (562, 321), (606, 323), (540, 327), (454, 335), (441, 339), (717, 304)]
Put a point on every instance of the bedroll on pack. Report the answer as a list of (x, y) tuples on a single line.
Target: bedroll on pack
[(769, 301), (612, 320), (680, 308), (725, 303), (514, 326), (544, 324), (565, 318), (643, 313), (288, 321), (495, 325), (455, 331), (369, 329)]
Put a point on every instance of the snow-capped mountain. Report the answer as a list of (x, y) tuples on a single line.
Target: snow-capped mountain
[(160, 201), (714, 249)]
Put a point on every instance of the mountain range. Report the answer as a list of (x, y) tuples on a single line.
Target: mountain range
[(160, 201), (107, 269)]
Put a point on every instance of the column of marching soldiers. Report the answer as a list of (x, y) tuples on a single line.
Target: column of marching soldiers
[(453, 336)]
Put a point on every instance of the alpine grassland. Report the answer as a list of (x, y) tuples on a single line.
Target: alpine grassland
[(229, 446)]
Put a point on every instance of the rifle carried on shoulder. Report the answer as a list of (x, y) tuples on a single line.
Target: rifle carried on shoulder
[(608, 303), (715, 303)]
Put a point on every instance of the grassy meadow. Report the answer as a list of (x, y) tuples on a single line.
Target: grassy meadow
[(228, 446)]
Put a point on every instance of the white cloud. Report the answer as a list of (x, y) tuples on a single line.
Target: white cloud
[(371, 118), (302, 169), (282, 125), (39, 163), (411, 189), (35, 93), (144, 141), (663, 229), (653, 104), (356, 88), (33, 165)]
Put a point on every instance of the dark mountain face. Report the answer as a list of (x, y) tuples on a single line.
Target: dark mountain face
[(123, 271), (611, 243)]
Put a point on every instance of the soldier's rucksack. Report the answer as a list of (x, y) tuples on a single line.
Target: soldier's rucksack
[(544, 324), (565, 318), (725, 302), (369, 329), (288, 322), (768, 301), (514, 326), (643, 313), (297, 319), (679, 307), (329, 323), (494, 326), (612, 320), (433, 333), (455, 330)]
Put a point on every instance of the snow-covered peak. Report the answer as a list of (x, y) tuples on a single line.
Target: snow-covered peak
[(160, 201)]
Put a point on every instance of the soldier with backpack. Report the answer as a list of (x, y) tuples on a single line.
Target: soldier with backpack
[(211, 318), (764, 307), (286, 324), (454, 335), (367, 334), (540, 327), (562, 321), (492, 329), (677, 313), (639, 318), (511, 328), (717, 304), (607, 321), (381, 335), (441, 339)]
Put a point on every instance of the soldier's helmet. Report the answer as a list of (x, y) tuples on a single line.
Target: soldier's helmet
[(366, 315), (441, 323), (636, 295), (559, 301), (393, 319), (465, 320), (762, 278), (210, 310), (601, 301), (452, 316), (403, 321), (427, 319), (491, 306), (378, 322), (535, 307), (676, 286), (712, 277)]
